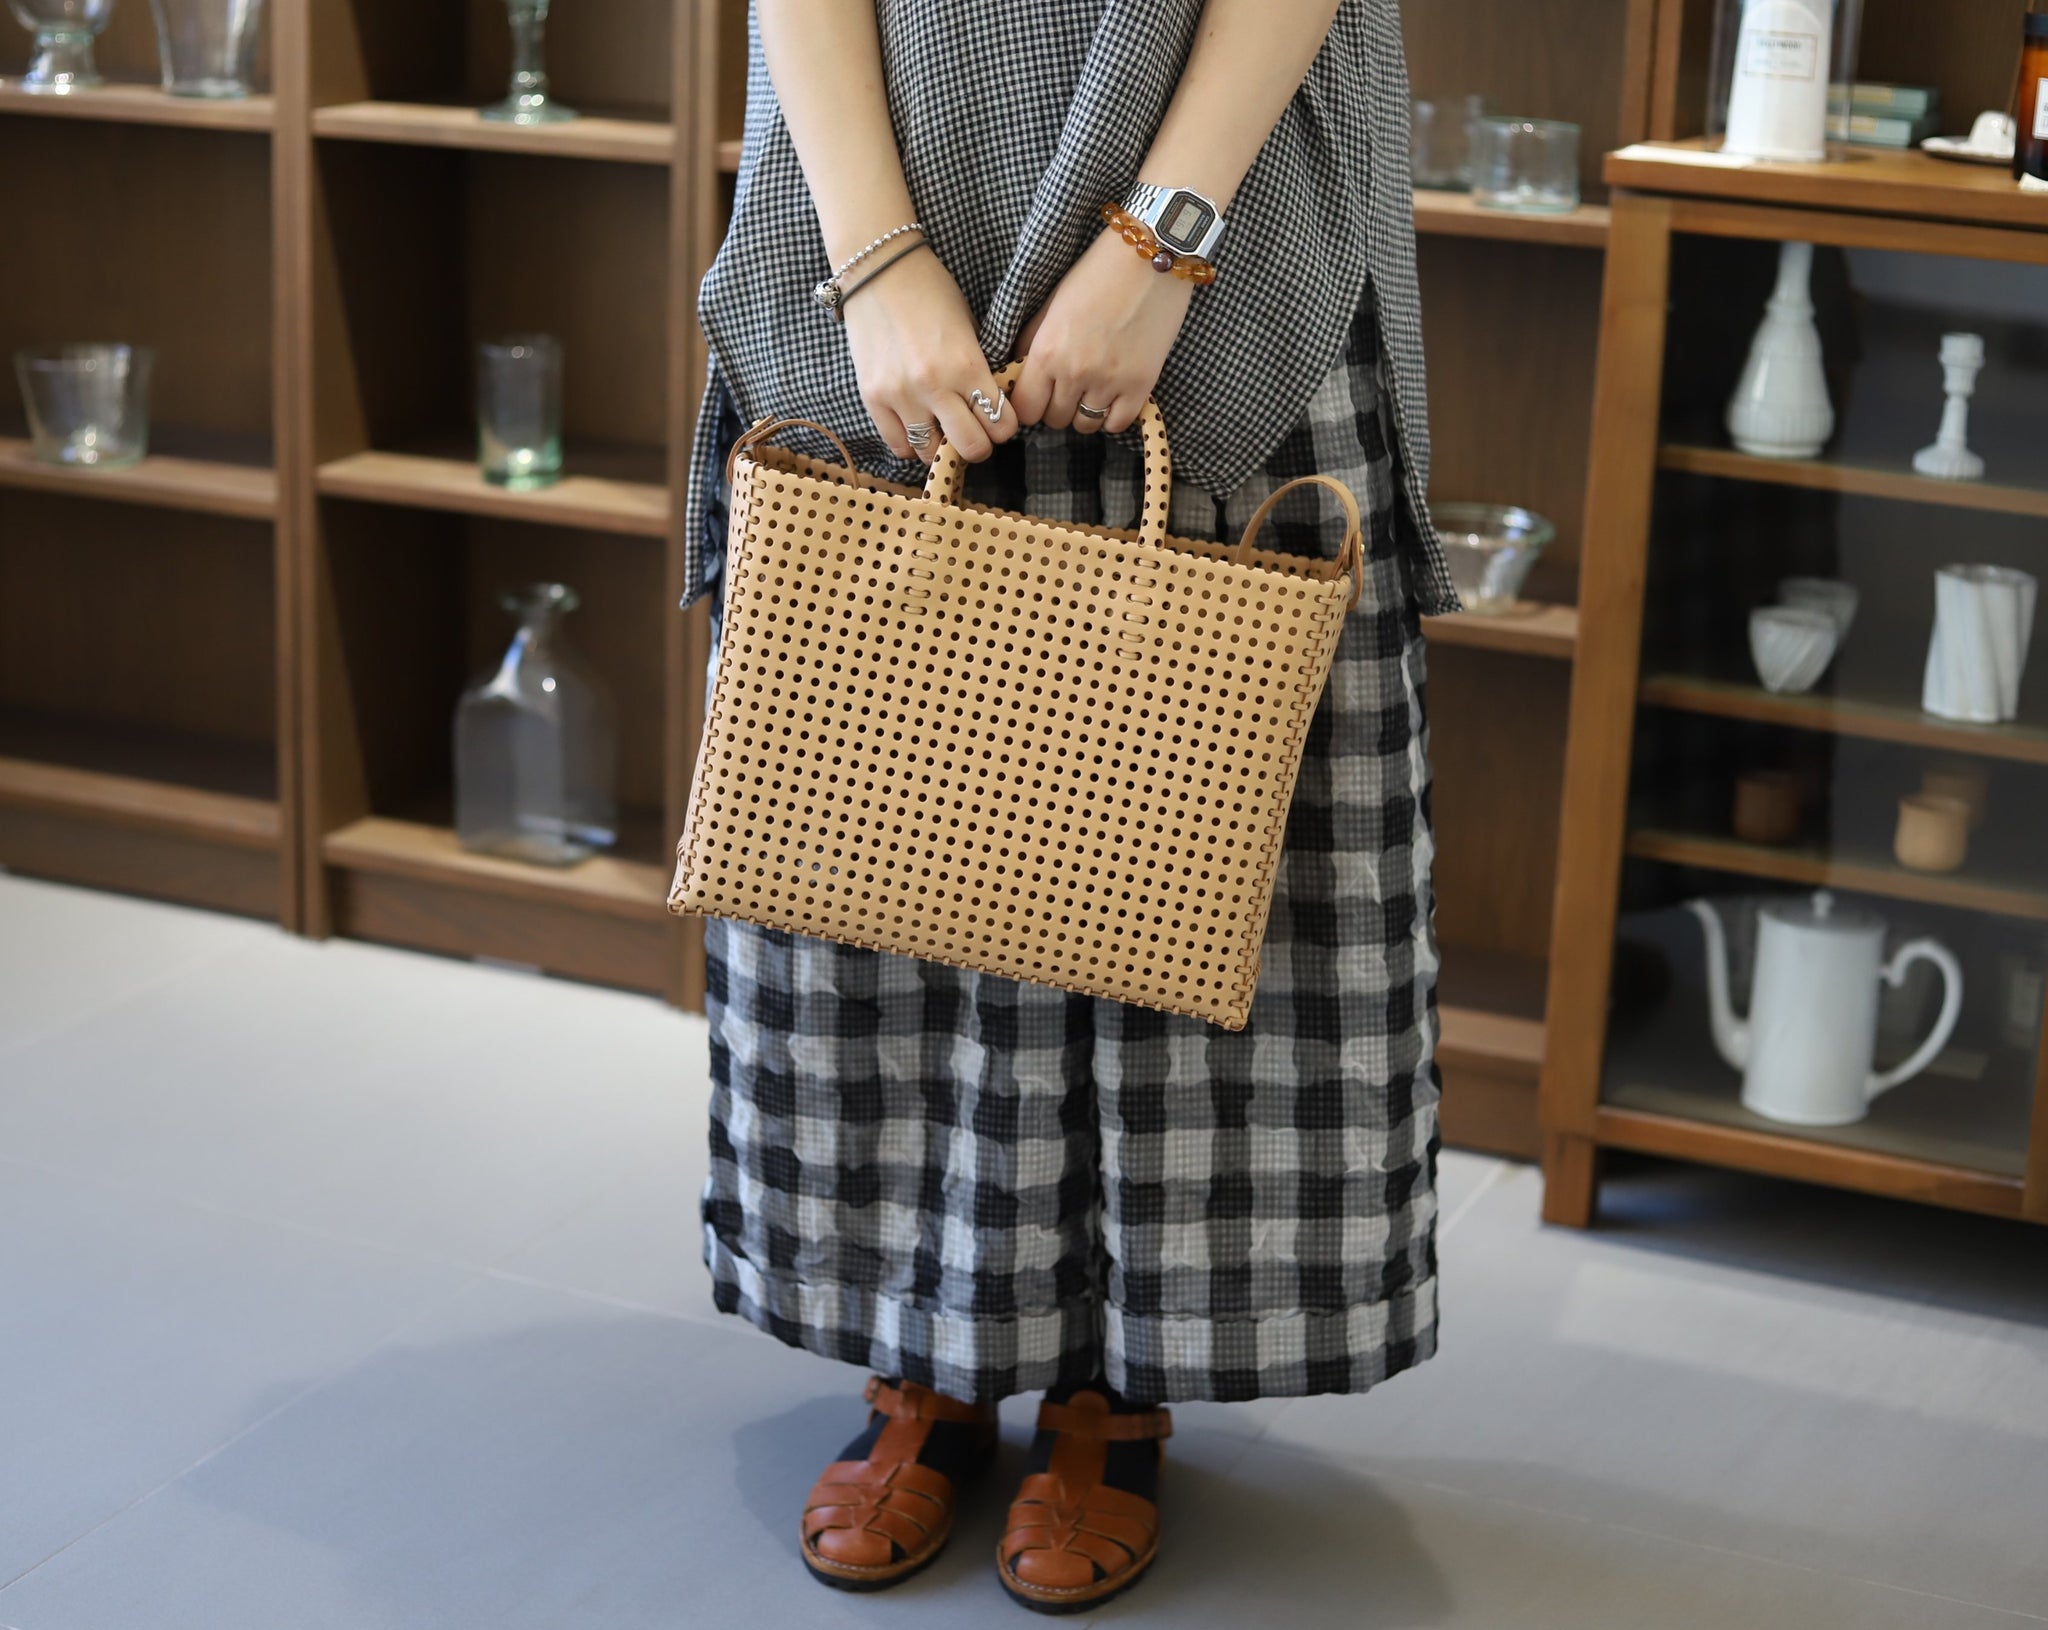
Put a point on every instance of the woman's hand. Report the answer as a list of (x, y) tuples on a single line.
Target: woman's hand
[(917, 356), (1101, 338)]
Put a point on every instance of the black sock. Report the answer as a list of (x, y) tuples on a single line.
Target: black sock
[(1132, 1467), (955, 1449)]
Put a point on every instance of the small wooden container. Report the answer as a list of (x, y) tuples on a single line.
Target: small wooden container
[(1958, 778), (1769, 806), (1934, 832)]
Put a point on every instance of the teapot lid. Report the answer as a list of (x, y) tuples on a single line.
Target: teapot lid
[(1821, 912)]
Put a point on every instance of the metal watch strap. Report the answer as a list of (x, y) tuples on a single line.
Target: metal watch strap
[(1149, 202)]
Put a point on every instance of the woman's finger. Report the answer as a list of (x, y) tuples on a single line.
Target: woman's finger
[(913, 414), (965, 428), (1123, 413), (1066, 396), (1032, 393), (890, 425), (1101, 396), (1004, 425)]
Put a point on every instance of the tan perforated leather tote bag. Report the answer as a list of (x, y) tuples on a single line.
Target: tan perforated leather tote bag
[(1057, 753)]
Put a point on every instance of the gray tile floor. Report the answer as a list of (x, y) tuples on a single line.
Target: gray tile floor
[(346, 1288)]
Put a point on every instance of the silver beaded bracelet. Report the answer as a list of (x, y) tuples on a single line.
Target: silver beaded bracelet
[(831, 294)]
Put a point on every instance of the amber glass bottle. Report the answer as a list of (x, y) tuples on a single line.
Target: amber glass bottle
[(2030, 151)]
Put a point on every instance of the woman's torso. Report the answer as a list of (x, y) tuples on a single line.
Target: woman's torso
[(1016, 122)]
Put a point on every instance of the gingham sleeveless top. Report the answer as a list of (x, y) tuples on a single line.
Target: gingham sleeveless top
[(1016, 122)]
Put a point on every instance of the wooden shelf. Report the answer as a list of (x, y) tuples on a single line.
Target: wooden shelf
[(121, 800), (164, 480), (1860, 179), (1868, 873), (1490, 1004), (1532, 629), (424, 124), (1961, 1127), (1863, 480), (430, 854), (1898, 722), (1454, 214), (430, 481), (143, 105), (1490, 1049), (1758, 1146)]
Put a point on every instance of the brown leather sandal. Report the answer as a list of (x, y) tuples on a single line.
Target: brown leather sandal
[(1073, 1542), (873, 1523)]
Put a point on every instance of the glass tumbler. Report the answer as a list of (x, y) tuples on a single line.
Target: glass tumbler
[(1526, 164), (88, 405), (208, 47), (519, 411), (1441, 142)]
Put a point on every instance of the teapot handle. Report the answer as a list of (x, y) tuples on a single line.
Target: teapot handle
[(1951, 1007)]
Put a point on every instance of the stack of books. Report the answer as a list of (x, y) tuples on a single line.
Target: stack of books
[(1885, 115)]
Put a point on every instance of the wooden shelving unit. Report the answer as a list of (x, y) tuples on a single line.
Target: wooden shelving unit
[(148, 740), (1837, 867), (1682, 535), (1867, 481), (143, 105), (1897, 721), (427, 481), (1511, 304), (1531, 629), (1455, 215), (167, 481), (315, 265), (425, 124), (1868, 181)]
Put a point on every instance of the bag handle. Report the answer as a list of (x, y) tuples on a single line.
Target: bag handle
[(948, 477), (764, 429), (1350, 554)]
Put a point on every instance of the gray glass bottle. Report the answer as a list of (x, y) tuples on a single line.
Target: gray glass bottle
[(536, 749)]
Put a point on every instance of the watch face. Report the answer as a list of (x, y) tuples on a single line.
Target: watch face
[(1184, 222)]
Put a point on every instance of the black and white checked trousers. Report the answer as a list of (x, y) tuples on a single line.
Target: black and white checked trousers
[(990, 1187)]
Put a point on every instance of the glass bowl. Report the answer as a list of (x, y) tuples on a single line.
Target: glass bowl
[(1490, 549)]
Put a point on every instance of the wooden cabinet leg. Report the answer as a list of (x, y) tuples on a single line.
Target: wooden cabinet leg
[(1571, 1180)]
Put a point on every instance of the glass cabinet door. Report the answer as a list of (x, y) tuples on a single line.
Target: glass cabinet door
[(1834, 905)]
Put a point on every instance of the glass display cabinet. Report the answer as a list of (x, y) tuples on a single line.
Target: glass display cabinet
[(1803, 896)]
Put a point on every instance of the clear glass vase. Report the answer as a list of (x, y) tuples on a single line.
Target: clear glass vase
[(64, 31), (528, 102), (208, 47), (536, 750)]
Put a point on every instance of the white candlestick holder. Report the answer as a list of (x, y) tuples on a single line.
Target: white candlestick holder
[(1950, 458)]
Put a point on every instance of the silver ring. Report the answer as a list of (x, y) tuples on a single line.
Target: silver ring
[(919, 435), (1087, 412), (991, 411)]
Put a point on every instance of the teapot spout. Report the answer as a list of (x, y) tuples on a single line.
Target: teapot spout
[(1731, 1035)]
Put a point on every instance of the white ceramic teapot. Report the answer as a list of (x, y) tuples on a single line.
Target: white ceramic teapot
[(1805, 1052)]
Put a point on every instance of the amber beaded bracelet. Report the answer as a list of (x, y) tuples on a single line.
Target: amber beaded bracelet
[(1192, 268)]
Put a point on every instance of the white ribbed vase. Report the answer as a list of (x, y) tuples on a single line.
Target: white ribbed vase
[(1781, 407)]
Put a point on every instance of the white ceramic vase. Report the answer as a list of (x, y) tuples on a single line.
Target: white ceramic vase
[(1983, 621), (1781, 408)]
